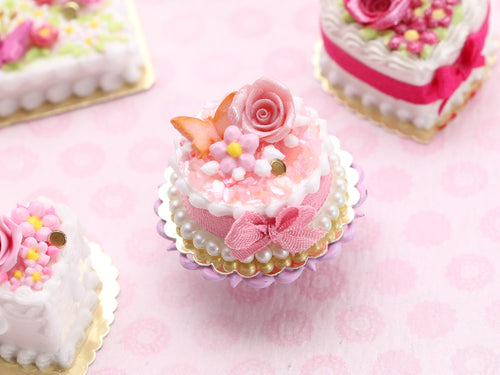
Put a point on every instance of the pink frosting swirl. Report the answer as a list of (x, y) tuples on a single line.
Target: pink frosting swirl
[(265, 108), (378, 14), (10, 243)]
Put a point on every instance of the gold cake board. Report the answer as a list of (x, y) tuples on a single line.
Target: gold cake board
[(98, 96), (392, 123), (102, 318)]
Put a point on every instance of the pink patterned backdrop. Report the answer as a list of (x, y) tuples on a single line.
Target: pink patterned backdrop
[(416, 292)]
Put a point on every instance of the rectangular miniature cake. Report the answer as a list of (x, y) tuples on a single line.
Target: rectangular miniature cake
[(407, 64), (51, 50), (47, 285)]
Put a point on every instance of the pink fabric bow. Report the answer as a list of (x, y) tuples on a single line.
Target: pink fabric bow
[(449, 78), (252, 231), (16, 43)]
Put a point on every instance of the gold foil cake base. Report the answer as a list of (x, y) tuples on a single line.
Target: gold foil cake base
[(275, 265), (392, 123), (102, 318), (98, 96)]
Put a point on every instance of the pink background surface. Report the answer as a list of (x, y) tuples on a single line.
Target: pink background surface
[(416, 292)]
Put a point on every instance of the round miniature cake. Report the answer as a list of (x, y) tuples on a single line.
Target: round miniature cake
[(409, 65), (257, 190)]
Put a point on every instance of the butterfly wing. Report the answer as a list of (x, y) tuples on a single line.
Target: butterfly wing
[(221, 118), (201, 133), (16, 43)]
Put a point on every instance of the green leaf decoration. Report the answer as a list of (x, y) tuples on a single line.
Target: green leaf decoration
[(458, 14), (114, 27), (32, 54), (11, 67), (441, 32), (347, 17), (72, 49), (368, 33), (9, 4), (426, 52)]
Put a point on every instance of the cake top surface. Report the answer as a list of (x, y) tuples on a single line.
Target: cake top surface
[(414, 37), (31, 239), (260, 146), (33, 30)]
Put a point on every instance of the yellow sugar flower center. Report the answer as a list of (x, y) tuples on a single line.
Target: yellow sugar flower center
[(70, 29), (36, 276), (18, 274), (419, 12), (94, 24), (412, 35), (234, 149), (35, 221), (45, 32), (438, 14), (33, 254)]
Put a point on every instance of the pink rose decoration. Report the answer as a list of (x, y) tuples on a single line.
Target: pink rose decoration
[(265, 109), (378, 14), (44, 2), (10, 243), (44, 36)]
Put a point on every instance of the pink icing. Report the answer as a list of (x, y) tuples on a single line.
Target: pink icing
[(265, 108), (378, 14), (220, 226)]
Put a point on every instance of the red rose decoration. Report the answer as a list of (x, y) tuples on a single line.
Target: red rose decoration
[(378, 14)]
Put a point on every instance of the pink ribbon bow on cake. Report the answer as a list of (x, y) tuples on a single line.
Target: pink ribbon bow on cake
[(252, 231)]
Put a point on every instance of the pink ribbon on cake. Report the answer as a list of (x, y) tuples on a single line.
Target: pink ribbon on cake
[(221, 225), (446, 80), (252, 231)]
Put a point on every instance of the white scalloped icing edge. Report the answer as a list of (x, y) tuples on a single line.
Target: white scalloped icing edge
[(306, 187)]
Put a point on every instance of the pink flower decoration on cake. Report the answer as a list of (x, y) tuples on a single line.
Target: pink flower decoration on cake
[(36, 276), (34, 252), (265, 109), (440, 13), (236, 150), (378, 14), (415, 41), (10, 244), (44, 36), (36, 221), (44, 2)]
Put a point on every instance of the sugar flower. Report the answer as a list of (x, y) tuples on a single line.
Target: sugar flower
[(36, 221), (44, 36), (34, 252), (235, 151), (378, 14), (265, 109)]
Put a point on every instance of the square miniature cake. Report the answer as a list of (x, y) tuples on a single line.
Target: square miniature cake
[(48, 287), (51, 50), (409, 65)]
